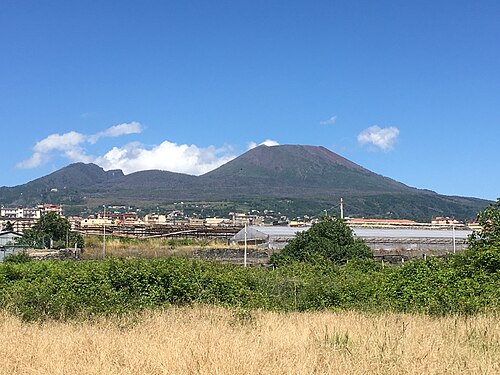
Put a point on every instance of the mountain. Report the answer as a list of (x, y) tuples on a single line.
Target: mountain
[(62, 186), (316, 177), (292, 179), (298, 171)]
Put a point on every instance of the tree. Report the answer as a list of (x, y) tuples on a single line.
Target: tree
[(330, 239), (8, 227), (52, 229), (489, 219)]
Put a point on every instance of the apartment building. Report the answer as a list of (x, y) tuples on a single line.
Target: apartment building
[(23, 218)]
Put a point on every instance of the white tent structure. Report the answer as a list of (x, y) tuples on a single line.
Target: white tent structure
[(273, 237), (7, 239), (276, 237)]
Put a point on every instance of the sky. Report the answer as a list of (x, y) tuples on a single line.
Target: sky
[(407, 89)]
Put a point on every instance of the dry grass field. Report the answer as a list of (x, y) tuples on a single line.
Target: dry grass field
[(145, 248), (206, 340)]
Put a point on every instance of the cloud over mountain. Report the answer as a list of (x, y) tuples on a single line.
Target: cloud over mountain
[(71, 144), (382, 138), (67, 144), (117, 130), (267, 142), (169, 156), (131, 157)]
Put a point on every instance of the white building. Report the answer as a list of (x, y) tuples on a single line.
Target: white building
[(155, 219), (8, 238), (30, 212), (22, 218)]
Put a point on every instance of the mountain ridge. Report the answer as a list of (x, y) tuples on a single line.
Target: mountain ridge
[(311, 175)]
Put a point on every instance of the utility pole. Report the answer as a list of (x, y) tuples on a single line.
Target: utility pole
[(454, 244), (245, 253), (104, 232), (342, 208)]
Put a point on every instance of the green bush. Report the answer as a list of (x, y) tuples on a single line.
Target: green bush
[(329, 240), (489, 219), (17, 257), (62, 290)]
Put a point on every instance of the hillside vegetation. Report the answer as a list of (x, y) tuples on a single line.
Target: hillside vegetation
[(295, 180)]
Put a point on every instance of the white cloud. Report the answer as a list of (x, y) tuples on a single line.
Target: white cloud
[(70, 144), (383, 138), (251, 145), (132, 157), (331, 120), (78, 154), (59, 142), (117, 130), (169, 156), (34, 161), (267, 142), (270, 142), (67, 144)]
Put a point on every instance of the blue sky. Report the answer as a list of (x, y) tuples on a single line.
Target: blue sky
[(409, 90)]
